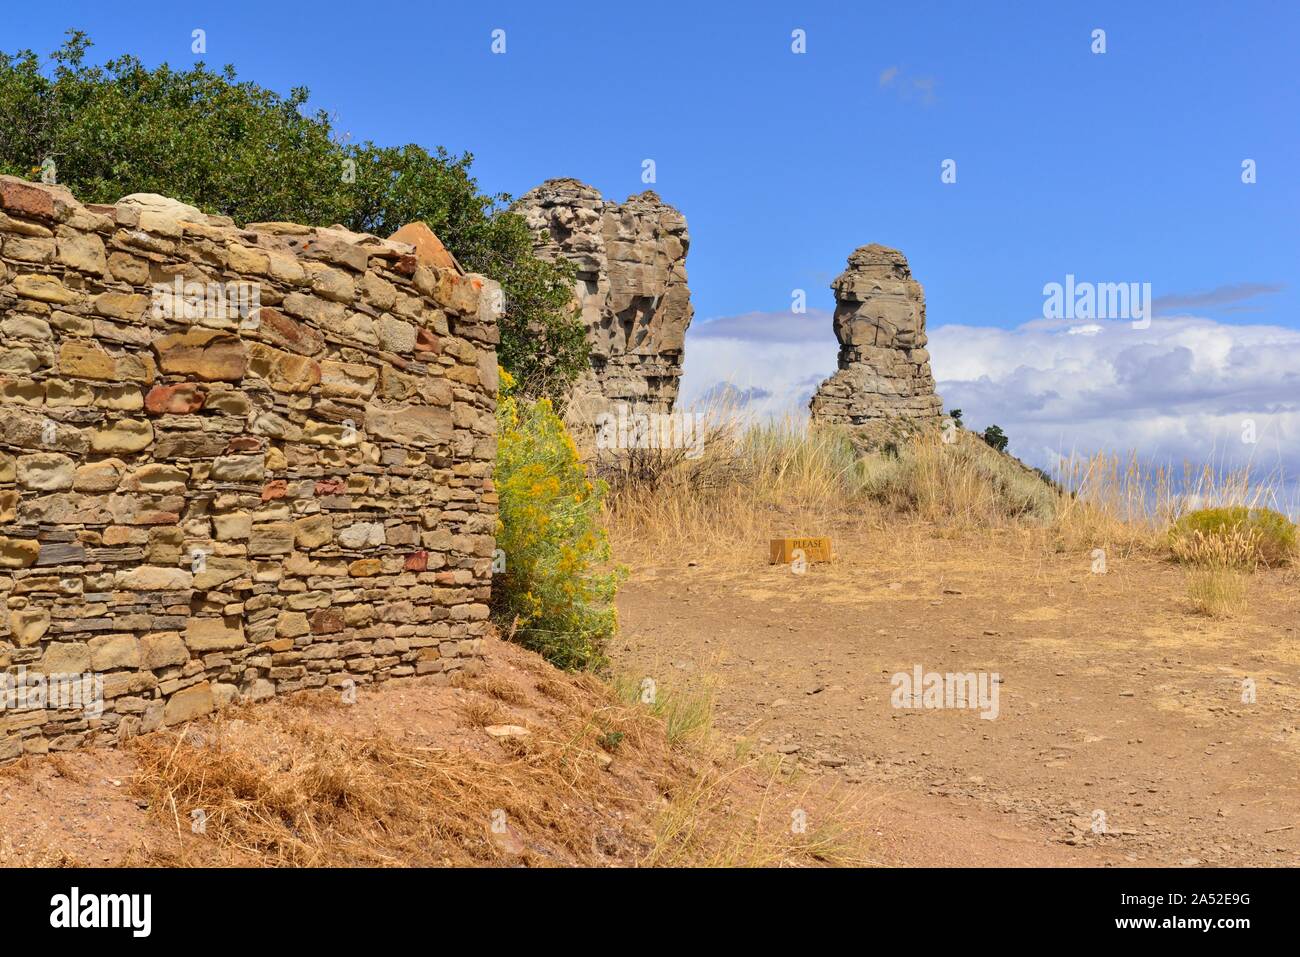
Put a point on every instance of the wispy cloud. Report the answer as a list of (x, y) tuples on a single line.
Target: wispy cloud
[(1222, 296), (908, 87), (768, 327)]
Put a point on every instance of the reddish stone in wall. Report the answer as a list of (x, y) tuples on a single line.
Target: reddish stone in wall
[(426, 341), (417, 562), (428, 247), (331, 487), (180, 399), (327, 621), (289, 334), (26, 200)]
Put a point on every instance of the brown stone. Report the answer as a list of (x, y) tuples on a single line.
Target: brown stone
[(214, 634), (182, 398), (109, 652), (189, 703), (18, 552), (365, 567), (120, 305), (313, 531), (428, 247), (163, 649), (277, 488), (216, 571), (27, 626), (204, 354), (154, 578), (288, 333), (284, 371), (45, 289), (327, 621), (272, 538), (26, 199), (292, 624), (122, 436)]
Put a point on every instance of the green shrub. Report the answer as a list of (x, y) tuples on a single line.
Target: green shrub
[(1259, 535), (553, 595), (995, 438)]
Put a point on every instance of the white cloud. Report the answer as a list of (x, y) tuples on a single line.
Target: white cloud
[(1183, 389)]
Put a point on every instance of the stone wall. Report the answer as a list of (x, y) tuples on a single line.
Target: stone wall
[(631, 262), (883, 391), (233, 462)]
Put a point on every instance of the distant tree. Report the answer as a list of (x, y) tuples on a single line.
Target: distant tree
[(955, 415), (235, 148), (996, 438)]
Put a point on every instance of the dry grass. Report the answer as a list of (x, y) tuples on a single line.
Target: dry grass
[(751, 482), (1217, 592), (1220, 566), (743, 487), (603, 780), (1123, 504), (754, 481)]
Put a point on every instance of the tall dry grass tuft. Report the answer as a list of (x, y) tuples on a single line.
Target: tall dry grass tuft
[(1220, 564)]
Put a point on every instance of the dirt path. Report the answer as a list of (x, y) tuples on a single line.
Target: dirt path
[(1115, 699)]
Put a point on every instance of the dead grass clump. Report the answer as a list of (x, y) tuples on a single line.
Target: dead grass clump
[(739, 485), (290, 793), (1220, 565), (601, 781), (747, 482), (493, 685)]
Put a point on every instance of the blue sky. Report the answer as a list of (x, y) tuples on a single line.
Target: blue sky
[(1119, 165), (1122, 166)]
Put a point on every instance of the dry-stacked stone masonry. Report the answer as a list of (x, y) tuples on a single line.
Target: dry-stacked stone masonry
[(883, 391), (234, 462), (631, 287)]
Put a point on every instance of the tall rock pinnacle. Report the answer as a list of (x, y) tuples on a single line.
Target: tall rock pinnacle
[(631, 262), (883, 390)]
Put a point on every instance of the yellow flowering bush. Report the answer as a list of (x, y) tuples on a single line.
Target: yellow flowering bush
[(552, 594)]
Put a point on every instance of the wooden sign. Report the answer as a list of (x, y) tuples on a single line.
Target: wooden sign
[(781, 551)]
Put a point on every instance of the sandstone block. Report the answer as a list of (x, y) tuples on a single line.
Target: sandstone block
[(204, 354), (189, 703)]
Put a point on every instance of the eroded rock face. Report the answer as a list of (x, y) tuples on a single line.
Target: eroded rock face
[(884, 390), (631, 262)]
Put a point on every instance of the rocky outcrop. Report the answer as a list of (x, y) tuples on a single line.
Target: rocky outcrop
[(631, 286), (883, 390), (234, 462)]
